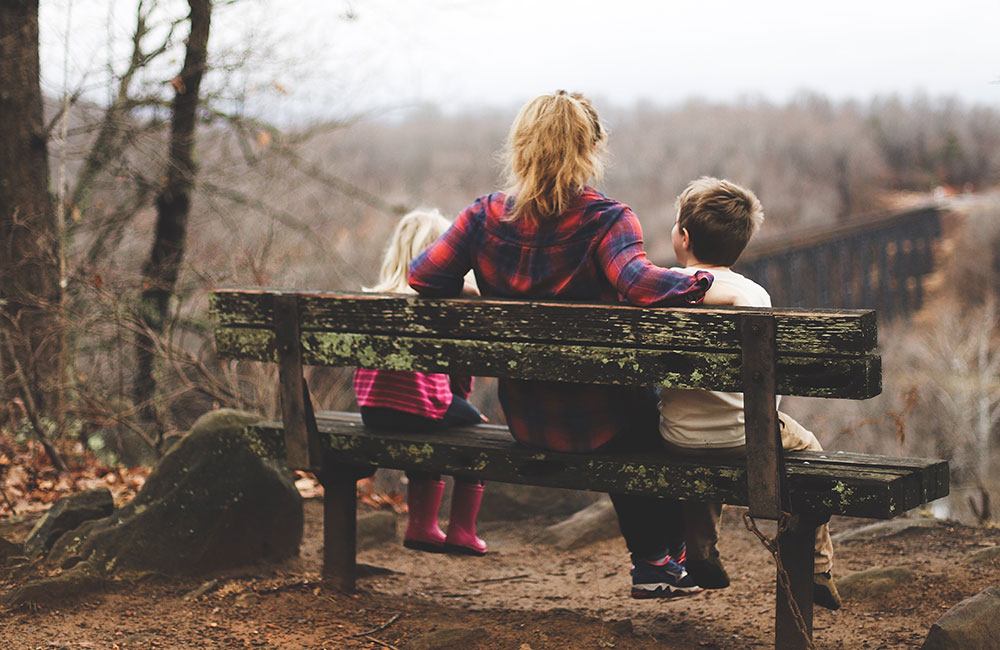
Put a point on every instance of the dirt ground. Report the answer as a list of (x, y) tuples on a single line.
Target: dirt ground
[(522, 596)]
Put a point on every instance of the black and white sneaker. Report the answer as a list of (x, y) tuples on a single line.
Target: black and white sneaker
[(662, 579)]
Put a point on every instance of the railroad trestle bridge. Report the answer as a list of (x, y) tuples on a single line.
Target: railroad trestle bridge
[(867, 262)]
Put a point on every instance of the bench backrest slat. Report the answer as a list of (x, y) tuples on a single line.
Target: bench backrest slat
[(820, 353), (826, 332)]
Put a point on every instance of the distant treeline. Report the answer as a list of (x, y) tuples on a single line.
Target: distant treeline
[(811, 160), (312, 209)]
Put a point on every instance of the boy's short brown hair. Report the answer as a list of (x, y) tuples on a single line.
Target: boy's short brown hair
[(720, 218)]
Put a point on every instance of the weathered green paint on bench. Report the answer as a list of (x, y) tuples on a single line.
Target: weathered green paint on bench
[(853, 377), (807, 332), (820, 354), (819, 482)]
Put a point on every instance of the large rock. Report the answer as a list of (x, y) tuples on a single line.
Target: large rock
[(510, 502), (66, 514), (595, 523), (872, 583), (461, 637), (973, 624), (888, 528), (211, 503), (985, 556)]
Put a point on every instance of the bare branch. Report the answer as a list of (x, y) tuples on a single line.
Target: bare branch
[(98, 406), (63, 107), (113, 133), (315, 172), (32, 411), (280, 216)]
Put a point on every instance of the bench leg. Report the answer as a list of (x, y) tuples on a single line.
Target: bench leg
[(339, 528), (797, 557)]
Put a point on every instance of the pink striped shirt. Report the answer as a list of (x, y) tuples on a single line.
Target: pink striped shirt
[(425, 394)]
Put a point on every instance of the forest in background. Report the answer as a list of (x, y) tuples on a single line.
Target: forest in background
[(310, 207)]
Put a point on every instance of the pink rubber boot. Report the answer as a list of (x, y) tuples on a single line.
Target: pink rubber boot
[(465, 500), (423, 497)]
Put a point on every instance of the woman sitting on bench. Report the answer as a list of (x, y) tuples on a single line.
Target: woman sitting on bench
[(553, 236)]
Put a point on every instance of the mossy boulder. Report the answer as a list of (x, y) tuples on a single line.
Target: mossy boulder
[(212, 503), (66, 514)]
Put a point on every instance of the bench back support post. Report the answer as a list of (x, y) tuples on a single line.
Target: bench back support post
[(765, 461), (797, 554), (301, 434)]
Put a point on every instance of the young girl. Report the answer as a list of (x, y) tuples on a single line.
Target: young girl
[(553, 236), (417, 401)]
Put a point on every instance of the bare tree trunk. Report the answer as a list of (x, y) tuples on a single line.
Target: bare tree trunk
[(173, 207), (29, 271), (985, 396)]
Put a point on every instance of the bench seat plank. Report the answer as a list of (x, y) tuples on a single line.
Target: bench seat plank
[(855, 377), (819, 482), (933, 472)]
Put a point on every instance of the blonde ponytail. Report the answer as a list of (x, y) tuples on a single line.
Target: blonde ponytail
[(555, 145)]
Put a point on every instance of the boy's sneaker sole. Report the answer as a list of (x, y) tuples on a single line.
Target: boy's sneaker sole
[(663, 591), (663, 578)]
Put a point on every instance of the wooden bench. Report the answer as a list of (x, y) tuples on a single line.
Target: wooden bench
[(760, 352)]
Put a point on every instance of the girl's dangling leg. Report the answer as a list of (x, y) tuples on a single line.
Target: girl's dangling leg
[(461, 538), (423, 497)]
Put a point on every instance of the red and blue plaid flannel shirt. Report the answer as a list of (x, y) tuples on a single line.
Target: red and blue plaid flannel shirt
[(593, 253)]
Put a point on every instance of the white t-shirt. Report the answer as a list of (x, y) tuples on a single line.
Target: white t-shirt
[(710, 419)]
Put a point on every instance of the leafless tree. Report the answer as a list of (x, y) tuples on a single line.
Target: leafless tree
[(173, 205), (29, 279)]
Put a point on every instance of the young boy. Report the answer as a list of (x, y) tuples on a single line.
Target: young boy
[(715, 221)]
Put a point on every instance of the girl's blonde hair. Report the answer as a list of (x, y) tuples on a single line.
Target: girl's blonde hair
[(555, 145), (415, 231)]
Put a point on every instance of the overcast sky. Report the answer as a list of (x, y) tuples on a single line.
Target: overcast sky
[(333, 56)]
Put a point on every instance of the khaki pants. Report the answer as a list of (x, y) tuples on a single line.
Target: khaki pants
[(702, 520)]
